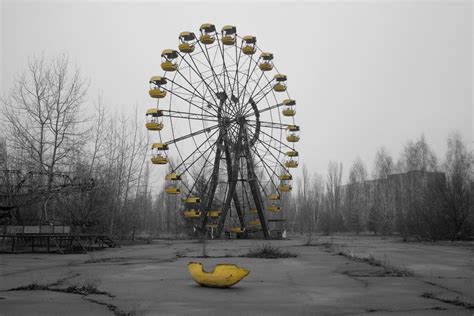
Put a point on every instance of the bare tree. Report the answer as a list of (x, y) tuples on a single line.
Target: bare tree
[(380, 214), (457, 190), (331, 217), (417, 156), (356, 211), (42, 112)]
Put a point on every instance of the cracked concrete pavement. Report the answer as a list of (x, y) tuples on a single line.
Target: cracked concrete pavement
[(153, 279)]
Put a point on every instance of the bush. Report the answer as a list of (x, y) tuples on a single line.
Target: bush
[(268, 251)]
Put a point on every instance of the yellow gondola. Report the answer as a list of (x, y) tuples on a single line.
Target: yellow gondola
[(159, 159), (168, 55), (237, 230), (255, 222), (207, 33), (285, 176), (291, 163), (266, 64), (214, 213), (192, 213), (280, 85), (186, 42), (289, 110), (153, 122), (293, 133), (249, 48), (172, 190), (192, 200), (159, 146), (292, 153), (155, 87), (274, 197), (253, 210), (273, 208), (292, 138), (285, 187), (228, 35), (172, 176)]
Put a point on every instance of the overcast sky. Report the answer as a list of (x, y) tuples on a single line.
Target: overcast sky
[(364, 74)]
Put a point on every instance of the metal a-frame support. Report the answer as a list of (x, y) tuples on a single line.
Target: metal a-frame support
[(235, 197), (212, 189), (232, 180), (257, 197)]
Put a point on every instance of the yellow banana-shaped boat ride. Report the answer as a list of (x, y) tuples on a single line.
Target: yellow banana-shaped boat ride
[(223, 275)]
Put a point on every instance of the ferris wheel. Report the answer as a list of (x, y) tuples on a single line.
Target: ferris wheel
[(225, 129)]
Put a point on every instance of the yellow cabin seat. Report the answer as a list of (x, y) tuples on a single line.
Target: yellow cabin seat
[(255, 222), (292, 138), (173, 176), (265, 66), (253, 210), (291, 164), (285, 176), (172, 190), (154, 126), (222, 276), (289, 112), (237, 230), (207, 39), (192, 213), (157, 93), (169, 66), (248, 50), (214, 213), (192, 200), (273, 208), (274, 197), (279, 87), (285, 188), (186, 48), (159, 160), (228, 40), (292, 153)]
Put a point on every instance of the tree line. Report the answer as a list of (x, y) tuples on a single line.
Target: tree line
[(416, 196), (50, 125)]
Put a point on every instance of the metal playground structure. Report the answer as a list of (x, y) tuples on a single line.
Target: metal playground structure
[(226, 129)]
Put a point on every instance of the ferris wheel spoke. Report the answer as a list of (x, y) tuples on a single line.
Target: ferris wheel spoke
[(224, 66), (190, 118), (264, 93), (195, 69), (223, 63), (236, 77), (265, 168), (207, 56), (264, 110), (255, 64), (202, 169), (269, 124), (189, 114), (173, 92), (176, 140), (192, 94), (211, 105), (276, 159), (196, 150), (277, 140)]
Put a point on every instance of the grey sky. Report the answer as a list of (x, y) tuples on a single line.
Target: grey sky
[(364, 74)]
